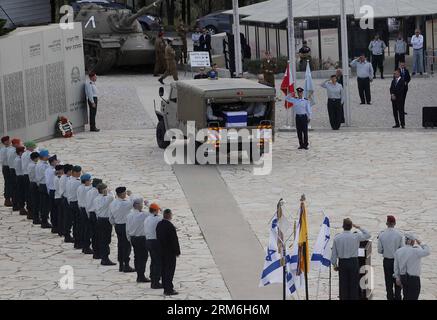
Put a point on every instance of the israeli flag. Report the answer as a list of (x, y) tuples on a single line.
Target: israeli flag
[(321, 258), (309, 86), (273, 271)]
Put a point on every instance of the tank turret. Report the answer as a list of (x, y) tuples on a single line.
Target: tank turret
[(131, 18)]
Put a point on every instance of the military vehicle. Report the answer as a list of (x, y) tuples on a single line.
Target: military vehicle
[(114, 37), (215, 105)]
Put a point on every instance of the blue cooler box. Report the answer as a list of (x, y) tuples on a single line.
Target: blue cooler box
[(235, 119)]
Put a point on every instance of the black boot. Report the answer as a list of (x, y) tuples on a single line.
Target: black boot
[(87, 251), (107, 262), (46, 225), (127, 268), (68, 239)]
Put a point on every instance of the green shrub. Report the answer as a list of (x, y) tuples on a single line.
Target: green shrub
[(254, 66)]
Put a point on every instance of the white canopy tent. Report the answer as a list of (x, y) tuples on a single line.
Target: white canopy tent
[(275, 11)]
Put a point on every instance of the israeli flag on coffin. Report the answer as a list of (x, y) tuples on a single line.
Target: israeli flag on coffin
[(273, 270), (321, 258), (235, 119)]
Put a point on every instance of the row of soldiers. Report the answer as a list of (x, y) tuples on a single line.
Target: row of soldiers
[(84, 211), (402, 255)]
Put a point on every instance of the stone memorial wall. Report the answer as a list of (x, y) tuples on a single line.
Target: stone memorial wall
[(42, 76)]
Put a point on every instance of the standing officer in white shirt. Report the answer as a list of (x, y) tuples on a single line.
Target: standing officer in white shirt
[(345, 259), (153, 245), (389, 241), (92, 99), (65, 219), (85, 227), (377, 47), (118, 211), (20, 194), (365, 74), (417, 44), (400, 50), (302, 109), (6, 142), (74, 213), (91, 195), (59, 172), (50, 183), (44, 198), (34, 192), (104, 227), (407, 266), (25, 160), (137, 236), (11, 155)]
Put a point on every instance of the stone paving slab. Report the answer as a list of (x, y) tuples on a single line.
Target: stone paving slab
[(30, 257), (362, 175)]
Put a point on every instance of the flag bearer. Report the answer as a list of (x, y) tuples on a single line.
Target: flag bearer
[(59, 171), (302, 108), (407, 266), (34, 192), (74, 216), (89, 203), (25, 160), (137, 236), (389, 241), (82, 191), (104, 227), (119, 209), (20, 193), (44, 199), (6, 144), (66, 214), (153, 246), (345, 249), (50, 175)]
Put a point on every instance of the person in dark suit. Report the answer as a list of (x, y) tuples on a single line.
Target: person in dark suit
[(168, 240), (205, 42), (397, 91), (405, 74)]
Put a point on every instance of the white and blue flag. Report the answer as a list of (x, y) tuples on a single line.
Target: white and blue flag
[(273, 269), (309, 86), (321, 258)]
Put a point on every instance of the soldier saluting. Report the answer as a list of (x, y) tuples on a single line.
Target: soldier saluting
[(407, 266)]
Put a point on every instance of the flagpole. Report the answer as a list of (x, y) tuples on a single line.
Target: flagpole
[(237, 42), (291, 47), (305, 248), (283, 258), (318, 283), (345, 63), (330, 281)]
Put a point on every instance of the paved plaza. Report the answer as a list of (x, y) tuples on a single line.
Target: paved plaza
[(364, 172)]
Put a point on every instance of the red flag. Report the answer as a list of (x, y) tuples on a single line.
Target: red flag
[(287, 86)]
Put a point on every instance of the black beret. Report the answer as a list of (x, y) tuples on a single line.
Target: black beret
[(67, 167), (53, 158), (77, 169), (120, 190), (59, 167), (96, 182), (34, 155)]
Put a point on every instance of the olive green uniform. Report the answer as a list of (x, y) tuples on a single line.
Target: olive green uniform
[(269, 69), (182, 33), (170, 59), (160, 64)]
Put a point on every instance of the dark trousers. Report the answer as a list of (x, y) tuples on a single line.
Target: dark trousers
[(378, 62), (77, 224), (364, 90), (93, 112), (13, 186), (302, 130), (393, 290), (53, 210), (335, 112), (60, 221), (140, 255), (104, 228), (34, 202), (405, 96), (94, 234), (168, 270), (85, 229), (398, 59), (349, 277), (20, 193), (44, 202), (7, 190), (399, 111), (410, 287), (67, 217), (27, 199), (155, 264), (123, 245)]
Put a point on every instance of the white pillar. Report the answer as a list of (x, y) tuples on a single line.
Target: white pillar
[(345, 62), (291, 39), (237, 42)]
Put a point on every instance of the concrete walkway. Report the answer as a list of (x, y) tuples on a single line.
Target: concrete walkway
[(233, 244)]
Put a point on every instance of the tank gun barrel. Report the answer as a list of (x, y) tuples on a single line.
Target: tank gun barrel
[(131, 18)]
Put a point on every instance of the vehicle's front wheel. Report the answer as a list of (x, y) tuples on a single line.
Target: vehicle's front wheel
[(160, 135)]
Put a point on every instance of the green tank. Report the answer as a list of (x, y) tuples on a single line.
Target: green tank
[(114, 37)]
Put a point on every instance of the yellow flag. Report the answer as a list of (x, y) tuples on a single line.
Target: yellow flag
[(304, 254)]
